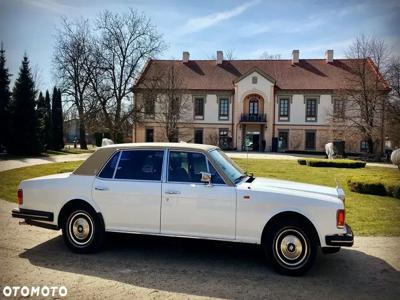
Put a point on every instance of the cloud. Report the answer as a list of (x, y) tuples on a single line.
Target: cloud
[(200, 23)]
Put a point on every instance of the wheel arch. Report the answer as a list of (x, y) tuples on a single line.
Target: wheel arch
[(77, 203), (291, 215)]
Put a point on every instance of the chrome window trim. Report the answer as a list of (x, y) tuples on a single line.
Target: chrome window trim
[(116, 166)]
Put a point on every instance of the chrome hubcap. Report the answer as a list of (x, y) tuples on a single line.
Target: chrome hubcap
[(80, 228), (291, 248)]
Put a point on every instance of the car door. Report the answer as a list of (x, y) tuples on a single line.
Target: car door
[(128, 191), (194, 208)]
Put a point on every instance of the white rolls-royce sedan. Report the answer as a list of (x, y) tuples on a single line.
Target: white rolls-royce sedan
[(186, 190)]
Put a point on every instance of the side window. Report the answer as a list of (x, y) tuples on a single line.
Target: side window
[(215, 178), (186, 166), (140, 165), (108, 170)]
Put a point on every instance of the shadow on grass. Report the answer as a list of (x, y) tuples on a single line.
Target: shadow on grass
[(218, 269)]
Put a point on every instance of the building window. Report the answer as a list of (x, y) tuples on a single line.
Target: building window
[(198, 136), (283, 140), (223, 109), (310, 140), (175, 135), (149, 107), (364, 146), (199, 108), (284, 108), (253, 106), (311, 110), (223, 132), (149, 135), (338, 108), (254, 80), (224, 139)]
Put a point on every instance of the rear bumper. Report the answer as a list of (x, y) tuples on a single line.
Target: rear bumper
[(341, 240), (35, 217), (32, 214)]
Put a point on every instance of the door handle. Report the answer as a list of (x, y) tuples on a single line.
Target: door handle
[(101, 188), (172, 192)]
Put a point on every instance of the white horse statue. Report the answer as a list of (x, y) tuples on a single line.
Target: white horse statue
[(329, 150), (395, 158), (106, 142)]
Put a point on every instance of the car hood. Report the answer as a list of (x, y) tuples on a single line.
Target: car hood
[(262, 183)]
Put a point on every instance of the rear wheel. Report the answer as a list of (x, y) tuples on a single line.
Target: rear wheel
[(82, 230), (291, 247)]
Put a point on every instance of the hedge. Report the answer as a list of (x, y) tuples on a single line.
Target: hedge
[(332, 163), (375, 186)]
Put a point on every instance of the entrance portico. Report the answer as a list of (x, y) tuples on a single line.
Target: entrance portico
[(253, 121)]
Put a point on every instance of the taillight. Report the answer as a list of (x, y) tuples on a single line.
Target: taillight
[(20, 197), (340, 218)]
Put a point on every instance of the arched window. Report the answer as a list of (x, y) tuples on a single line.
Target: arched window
[(253, 106)]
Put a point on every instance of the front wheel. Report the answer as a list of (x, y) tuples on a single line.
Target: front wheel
[(82, 231), (291, 247)]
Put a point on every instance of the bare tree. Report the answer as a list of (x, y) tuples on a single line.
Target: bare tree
[(228, 55), (365, 94), (165, 96), (270, 56), (72, 62), (124, 43), (393, 111)]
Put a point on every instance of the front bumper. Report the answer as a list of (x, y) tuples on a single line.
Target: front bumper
[(341, 240)]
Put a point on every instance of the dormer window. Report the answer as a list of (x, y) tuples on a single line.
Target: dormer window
[(254, 80)]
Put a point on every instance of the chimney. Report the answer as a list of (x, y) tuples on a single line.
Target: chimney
[(185, 56), (295, 56), (329, 56), (220, 57)]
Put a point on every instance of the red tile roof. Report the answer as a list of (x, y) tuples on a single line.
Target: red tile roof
[(308, 74)]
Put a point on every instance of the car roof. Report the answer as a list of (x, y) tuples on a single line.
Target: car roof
[(182, 145), (96, 161)]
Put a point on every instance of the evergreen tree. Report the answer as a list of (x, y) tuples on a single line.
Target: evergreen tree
[(4, 98), (24, 139), (41, 118), (48, 123), (57, 120)]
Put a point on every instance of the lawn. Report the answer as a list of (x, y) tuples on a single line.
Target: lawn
[(10, 179), (367, 214)]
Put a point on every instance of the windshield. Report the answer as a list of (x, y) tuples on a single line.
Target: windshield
[(229, 167)]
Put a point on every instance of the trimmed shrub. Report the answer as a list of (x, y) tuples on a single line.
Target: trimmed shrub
[(302, 162), (332, 163), (375, 186)]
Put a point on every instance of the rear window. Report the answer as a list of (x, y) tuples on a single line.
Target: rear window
[(108, 170)]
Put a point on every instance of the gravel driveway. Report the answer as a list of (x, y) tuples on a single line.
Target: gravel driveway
[(159, 268)]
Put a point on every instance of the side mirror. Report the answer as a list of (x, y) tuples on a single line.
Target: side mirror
[(206, 177)]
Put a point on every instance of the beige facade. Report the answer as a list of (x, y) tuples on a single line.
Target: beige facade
[(256, 114)]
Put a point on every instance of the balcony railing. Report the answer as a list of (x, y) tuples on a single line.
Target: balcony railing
[(253, 118)]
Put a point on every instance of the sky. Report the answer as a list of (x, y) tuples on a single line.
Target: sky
[(247, 28)]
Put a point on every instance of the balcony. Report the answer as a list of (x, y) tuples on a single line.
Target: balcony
[(250, 118)]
